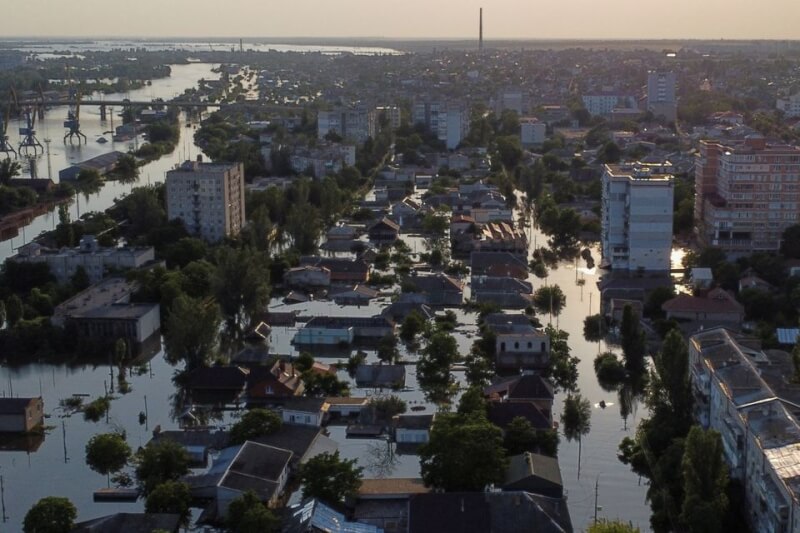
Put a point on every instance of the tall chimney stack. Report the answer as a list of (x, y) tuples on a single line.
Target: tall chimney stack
[(480, 30)]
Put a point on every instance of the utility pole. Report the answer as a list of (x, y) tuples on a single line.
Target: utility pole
[(49, 164), (596, 487)]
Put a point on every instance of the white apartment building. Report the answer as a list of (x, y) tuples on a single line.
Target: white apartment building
[(532, 132), (661, 94), (742, 392), (789, 105), (208, 198), (637, 216), (746, 194), (392, 113), (355, 124), (512, 99), (603, 103), (450, 122), (323, 159)]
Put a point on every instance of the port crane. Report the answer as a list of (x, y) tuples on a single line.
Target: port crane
[(29, 141), (5, 146), (73, 122)]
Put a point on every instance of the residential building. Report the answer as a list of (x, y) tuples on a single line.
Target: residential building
[(208, 198), (384, 502), (534, 473), (391, 113), (130, 523), (384, 231), (412, 429), (305, 277), (322, 159), (511, 99), (500, 237), (637, 217), (747, 194), (335, 330), (498, 264), (104, 313), (438, 289), (380, 376), (518, 344), (356, 124), (715, 308), (527, 388), (532, 132), (341, 270), (95, 260), (358, 295), (273, 383), (507, 292), (21, 415), (449, 121), (661, 99), (742, 392), (312, 516), (790, 105), (304, 411), (604, 102)]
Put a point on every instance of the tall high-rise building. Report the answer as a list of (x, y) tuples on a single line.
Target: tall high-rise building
[(661, 99), (637, 216), (449, 121), (208, 198), (355, 124), (746, 194)]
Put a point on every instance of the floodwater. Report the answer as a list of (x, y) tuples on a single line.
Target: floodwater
[(63, 155)]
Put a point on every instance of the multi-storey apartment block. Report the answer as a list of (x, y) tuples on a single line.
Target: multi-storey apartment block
[(747, 194), (208, 198), (637, 216)]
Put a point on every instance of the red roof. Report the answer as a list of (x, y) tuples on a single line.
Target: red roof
[(717, 301)]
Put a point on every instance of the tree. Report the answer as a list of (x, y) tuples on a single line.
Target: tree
[(385, 407), (330, 478), (705, 482), (412, 325), (659, 295), (472, 402), (13, 310), (2, 313), (549, 299), (521, 437), (612, 526), (247, 514), (790, 244), (433, 368), (479, 369), (609, 370), (464, 453), (594, 328), (9, 169), (304, 362), (562, 367), (88, 181), (576, 418), (160, 461), (509, 150), (126, 169), (107, 453), (171, 497), (633, 340), (670, 387), (387, 349), (241, 283), (319, 384), (50, 515), (192, 331), (254, 423), (609, 153)]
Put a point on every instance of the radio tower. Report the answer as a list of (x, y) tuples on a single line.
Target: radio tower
[(480, 30)]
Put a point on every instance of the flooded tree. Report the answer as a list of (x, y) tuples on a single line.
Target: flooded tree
[(107, 453), (330, 478), (50, 515), (576, 418)]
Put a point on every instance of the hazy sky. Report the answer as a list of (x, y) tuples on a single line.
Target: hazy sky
[(585, 19)]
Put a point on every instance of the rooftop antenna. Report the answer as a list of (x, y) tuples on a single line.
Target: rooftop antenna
[(480, 30)]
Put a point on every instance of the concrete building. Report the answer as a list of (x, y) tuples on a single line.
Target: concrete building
[(323, 159), (517, 343), (391, 113), (637, 217), (532, 132), (104, 313), (747, 194), (604, 102), (511, 99), (789, 105), (742, 392), (94, 259), (208, 198), (450, 121), (661, 94), (355, 124)]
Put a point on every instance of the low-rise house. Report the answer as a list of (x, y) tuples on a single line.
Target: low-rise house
[(313, 516), (439, 289), (304, 441), (341, 233), (716, 307), (21, 415), (332, 331), (501, 237), (501, 414), (383, 231), (525, 389), (406, 213), (228, 383), (498, 512), (380, 376), (197, 443), (412, 429), (534, 473), (307, 277), (405, 304), (517, 343), (505, 292), (358, 295), (498, 264), (130, 523), (702, 278), (304, 411), (274, 383), (383, 503), (751, 281), (617, 307), (255, 467), (346, 407), (342, 270)]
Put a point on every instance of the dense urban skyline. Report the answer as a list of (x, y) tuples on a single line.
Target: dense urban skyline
[(504, 19)]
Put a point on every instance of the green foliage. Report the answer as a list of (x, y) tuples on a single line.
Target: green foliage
[(80, 279), (50, 515), (330, 478), (170, 497), (317, 384), (247, 514), (657, 298), (549, 299), (705, 482), (241, 283), (790, 243), (9, 169), (464, 453), (107, 453), (159, 462), (433, 368), (385, 407), (413, 325), (670, 384), (254, 423), (472, 402), (563, 368), (633, 340), (576, 418), (97, 408), (509, 150), (594, 328), (387, 349), (521, 437), (609, 370), (192, 331), (612, 526), (13, 307), (304, 362)]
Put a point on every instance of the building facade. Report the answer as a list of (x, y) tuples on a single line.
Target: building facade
[(355, 124), (208, 198), (747, 194), (532, 132), (661, 94), (637, 217)]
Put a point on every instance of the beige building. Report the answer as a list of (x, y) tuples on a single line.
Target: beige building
[(747, 194), (208, 198)]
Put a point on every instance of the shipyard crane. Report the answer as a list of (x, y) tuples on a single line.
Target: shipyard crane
[(5, 146), (29, 141), (73, 122)]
